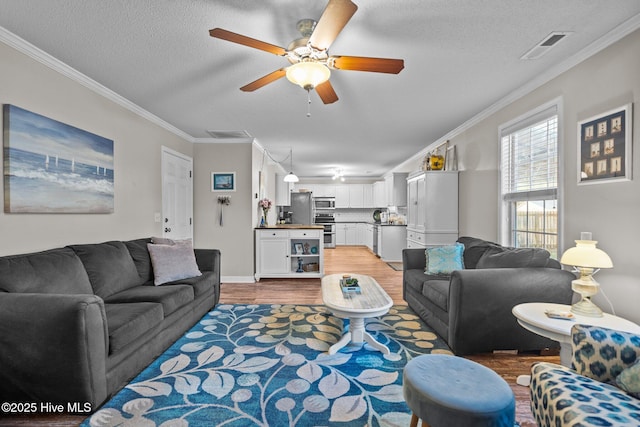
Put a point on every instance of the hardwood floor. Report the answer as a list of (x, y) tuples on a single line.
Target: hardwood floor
[(346, 259)]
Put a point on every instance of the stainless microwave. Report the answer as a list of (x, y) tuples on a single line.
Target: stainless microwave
[(324, 202)]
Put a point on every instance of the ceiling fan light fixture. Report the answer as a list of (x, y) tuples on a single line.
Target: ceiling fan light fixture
[(308, 74)]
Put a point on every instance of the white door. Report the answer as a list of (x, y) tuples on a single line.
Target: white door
[(177, 195)]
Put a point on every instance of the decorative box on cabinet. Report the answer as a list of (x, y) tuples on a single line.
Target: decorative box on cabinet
[(432, 210), (276, 255)]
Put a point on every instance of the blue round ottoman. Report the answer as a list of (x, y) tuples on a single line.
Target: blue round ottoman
[(446, 391)]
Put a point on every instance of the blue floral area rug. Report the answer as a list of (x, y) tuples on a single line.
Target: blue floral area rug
[(268, 365)]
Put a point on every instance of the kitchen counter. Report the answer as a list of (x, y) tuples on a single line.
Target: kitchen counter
[(292, 227), (370, 222)]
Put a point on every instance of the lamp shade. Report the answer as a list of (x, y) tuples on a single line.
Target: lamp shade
[(586, 255), (308, 74), (291, 177)]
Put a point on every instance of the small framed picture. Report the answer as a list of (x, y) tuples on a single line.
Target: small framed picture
[(605, 147), (298, 248), (223, 181)]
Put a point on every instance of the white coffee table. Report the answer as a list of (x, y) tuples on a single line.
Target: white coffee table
[(532, 317), (372, 301)]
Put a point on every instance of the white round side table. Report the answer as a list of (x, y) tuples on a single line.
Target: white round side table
[(532, 317)]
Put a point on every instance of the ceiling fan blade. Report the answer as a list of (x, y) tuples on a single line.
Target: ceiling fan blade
[(361, 63), (333, 19), (247, 41), (265, 80), (326, 92)]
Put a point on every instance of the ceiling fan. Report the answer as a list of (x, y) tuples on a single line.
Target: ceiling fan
[(309, 55)]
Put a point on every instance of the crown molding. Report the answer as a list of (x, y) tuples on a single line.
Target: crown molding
[(55, 64), (616, 34)]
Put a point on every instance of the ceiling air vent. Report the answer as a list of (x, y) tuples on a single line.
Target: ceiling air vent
[(545, 45), (229, 134)]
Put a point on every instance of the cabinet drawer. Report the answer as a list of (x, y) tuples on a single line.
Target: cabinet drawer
[(274, 234), (416, 237), (412, 244), (304, 234)]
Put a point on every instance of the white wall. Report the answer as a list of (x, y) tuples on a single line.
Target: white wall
[(611, 211), (137, 144)]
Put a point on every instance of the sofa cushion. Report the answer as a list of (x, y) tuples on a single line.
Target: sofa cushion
[(172, 262), (474, 248), (514, 258), (110, 267), (171, 297), (201, 284), (444, 259), (414, 279), (56, 271), (437, 291), (127, 322), (140, 254)]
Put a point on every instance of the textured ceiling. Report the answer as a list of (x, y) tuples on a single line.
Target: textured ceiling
[(460, 56)]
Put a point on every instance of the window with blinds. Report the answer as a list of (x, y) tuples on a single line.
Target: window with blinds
[(529, 181)]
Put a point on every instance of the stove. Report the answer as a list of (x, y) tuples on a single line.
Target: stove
[(327, 219)]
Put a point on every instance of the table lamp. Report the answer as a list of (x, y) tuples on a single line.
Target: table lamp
[(587, 260)]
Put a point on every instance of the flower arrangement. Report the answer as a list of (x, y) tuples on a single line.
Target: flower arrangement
[(265, 204)]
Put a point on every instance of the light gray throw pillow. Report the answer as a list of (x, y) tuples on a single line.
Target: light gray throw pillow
[(172, 262)]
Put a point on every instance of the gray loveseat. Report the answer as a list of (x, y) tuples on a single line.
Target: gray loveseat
[(78, 322), (471, 308)]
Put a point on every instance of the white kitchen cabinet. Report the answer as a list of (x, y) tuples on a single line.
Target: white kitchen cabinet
[(396, 189), (432, 213), (361, 234), (369, 236), (325, 190), (283, 191), (346, 234), (379, 194), (356, 195), (393, 239), (351, 236), (350, 196), (342, 196), (276, 254), (367, 195), (341, 234)]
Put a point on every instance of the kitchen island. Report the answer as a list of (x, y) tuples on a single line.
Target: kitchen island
[(289, 251)]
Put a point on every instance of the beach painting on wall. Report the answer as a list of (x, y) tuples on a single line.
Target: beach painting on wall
[(52, 167)]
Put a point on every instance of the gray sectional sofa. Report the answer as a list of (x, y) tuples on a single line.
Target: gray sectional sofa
[(470, 308), (78, 322)]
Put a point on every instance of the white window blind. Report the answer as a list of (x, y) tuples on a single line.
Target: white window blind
[(529, 180), (530, 158)]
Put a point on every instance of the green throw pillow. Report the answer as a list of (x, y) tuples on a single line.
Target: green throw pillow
[(444, 259), (629, 379)]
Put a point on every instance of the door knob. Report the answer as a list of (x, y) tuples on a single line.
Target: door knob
[(167, 230)]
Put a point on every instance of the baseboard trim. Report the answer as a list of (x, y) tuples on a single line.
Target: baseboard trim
[(237, 279)]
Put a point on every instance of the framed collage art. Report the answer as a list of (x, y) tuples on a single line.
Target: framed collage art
[(604, 147)]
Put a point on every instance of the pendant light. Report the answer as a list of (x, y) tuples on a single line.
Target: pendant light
[(291, 177)]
